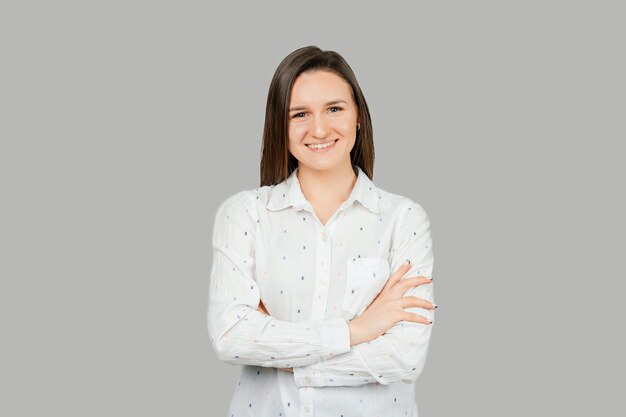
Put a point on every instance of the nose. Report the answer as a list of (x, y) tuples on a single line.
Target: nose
[(319, 127)]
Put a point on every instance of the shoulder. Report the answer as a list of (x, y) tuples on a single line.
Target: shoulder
[(245, 202), (400, 207), (409, 218)]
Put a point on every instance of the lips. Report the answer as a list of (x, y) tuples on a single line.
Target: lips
[(321, 143), (325, 149)]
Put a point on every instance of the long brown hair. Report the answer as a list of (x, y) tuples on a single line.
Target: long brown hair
[(276, 161)]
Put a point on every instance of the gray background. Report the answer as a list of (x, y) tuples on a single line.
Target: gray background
[(125, 124)]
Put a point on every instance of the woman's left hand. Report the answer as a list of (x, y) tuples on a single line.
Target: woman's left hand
[(262, 309)]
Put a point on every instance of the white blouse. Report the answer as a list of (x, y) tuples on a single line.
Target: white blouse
[(269, 245)]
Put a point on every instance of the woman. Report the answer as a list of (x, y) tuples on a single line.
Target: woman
[(302, 292)]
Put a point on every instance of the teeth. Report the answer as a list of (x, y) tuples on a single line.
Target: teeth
[(324, 145)]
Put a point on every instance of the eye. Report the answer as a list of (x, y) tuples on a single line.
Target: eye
[(336, 107), (296, 115)]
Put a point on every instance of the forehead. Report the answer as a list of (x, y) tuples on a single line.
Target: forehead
[(319, 87)]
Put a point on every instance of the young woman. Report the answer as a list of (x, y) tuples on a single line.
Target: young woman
[(321, 282)]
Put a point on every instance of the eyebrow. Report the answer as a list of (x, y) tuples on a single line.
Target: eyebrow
[(328, 104)]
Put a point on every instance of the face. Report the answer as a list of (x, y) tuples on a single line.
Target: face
[(322, 111)]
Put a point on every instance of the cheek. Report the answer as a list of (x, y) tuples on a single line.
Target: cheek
[(347, 124), (297, 133), (295, 137)]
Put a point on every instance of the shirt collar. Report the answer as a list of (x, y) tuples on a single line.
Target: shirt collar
[(289, 193)]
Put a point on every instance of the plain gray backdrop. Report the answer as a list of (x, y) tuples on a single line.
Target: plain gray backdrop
[(124, 124)]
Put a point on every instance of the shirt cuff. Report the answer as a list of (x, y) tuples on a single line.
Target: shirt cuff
[(335, 335)]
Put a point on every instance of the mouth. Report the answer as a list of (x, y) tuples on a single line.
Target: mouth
[(322, 147)]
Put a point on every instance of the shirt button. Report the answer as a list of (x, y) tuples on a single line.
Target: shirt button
[(306, 408), (307, 380), (324, 236)]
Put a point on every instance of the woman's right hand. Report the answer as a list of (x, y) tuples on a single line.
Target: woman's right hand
[(387, 309)]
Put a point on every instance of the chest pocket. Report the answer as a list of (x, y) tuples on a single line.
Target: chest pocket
[(365, 278)]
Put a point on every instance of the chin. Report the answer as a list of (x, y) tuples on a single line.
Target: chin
[(324, 165)]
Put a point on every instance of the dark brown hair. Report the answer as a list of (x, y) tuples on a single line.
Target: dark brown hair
[(276, 161)]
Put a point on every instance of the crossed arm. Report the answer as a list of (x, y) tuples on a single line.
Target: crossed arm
[(318, 353)]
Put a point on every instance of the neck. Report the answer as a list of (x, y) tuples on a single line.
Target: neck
[(327, 186)]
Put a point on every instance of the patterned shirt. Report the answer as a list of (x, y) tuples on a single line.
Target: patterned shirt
[(270, 246)]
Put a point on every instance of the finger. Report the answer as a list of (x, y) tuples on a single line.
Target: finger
[(397, 276), (409, 283), (416, 318), (411, 301)]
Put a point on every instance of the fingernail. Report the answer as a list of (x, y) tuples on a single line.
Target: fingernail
[(430, 321), (408, 261), (435, 306)]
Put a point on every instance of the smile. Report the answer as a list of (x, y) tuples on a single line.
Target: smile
[(322, 147)]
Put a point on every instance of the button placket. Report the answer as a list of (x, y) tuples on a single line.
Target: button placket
[(306, 401), (323, 258)]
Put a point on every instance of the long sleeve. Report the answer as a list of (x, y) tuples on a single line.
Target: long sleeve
[(400, 353), (240, 334)]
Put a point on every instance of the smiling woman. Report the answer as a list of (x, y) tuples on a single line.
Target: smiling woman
[(321, 127), (321, 281)]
